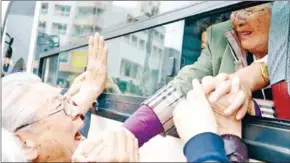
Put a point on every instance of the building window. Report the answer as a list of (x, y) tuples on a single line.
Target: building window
[(127, 39), (134, 40), (161, 37), (44, 8), (154, 50), (160, 51), (42, 24), (59, 29), (141, 44), (83, 31), (62, 10)]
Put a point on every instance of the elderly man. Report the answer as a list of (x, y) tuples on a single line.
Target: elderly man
[(227, 50), (47, 123)]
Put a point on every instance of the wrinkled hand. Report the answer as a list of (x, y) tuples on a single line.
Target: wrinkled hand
[(111, 146), (228, 125), (94, 78), (227, 95), (194, 115)]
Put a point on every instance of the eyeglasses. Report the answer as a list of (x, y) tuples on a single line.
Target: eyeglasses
[(65, 105)]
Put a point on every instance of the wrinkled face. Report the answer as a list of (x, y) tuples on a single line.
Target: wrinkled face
[(56, 136), (252, 26)]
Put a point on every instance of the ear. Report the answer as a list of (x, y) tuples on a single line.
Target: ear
[(28, 145)]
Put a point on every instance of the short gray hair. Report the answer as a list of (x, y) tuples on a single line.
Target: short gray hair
[(12, 148), (14, 88)]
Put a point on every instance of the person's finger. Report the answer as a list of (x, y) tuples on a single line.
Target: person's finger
[(208, 84), (242, 112), (85, 148), (105, 55), (223, 89), (136, 155), (236, 104), (96, 46), (101, 47), (95, 154), (122, 154), (222, 77), (235, 85), (190, 95), (91, 47), (198, 91)]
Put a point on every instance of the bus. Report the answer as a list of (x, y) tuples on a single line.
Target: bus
[(148, 42)]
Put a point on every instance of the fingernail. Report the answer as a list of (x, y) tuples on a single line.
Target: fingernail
[(238, 117)]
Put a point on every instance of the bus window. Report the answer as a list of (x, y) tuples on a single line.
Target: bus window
[(138, 64), (65, 22), (16, 42)]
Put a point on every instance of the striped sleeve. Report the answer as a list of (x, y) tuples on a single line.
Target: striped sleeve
[(162, 103)]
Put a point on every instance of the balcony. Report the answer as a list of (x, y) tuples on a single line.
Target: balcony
[(91, 4), (92, 20)]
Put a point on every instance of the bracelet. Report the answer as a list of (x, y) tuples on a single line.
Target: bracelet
[(251, 109), (264, 71)]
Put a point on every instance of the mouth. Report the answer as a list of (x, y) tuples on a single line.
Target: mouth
[(243, 34), (78, 138)]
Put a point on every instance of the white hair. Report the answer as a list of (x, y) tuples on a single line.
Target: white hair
[(12, 148), (14, 88)]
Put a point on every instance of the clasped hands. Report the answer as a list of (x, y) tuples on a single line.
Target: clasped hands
[(216, 105)]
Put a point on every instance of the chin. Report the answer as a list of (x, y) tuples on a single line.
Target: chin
[(247, 45)]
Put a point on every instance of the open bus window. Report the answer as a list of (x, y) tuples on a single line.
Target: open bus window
[(242, 32)]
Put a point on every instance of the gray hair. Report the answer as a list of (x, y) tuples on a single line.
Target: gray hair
[(12, 148), (14, 88)]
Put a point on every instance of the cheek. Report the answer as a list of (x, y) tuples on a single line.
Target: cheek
[(260, 24)]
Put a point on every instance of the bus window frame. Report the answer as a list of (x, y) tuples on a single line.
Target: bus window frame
[(258, 133)]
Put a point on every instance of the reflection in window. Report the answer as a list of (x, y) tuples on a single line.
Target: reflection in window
[(132, 71), (84, 18), (142, 44), (44, 8), (59, 29), (134, 41), (62, 10)]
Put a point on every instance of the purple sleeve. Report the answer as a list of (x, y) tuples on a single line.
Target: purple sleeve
[(235, 148), (257, 109), (144, 124)]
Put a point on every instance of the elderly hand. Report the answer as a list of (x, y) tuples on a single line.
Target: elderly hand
[(227, 94), (194, 115), (111, 146), (90, 84), (94, 78)]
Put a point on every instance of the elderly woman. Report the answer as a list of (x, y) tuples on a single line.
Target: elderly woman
[(272, 69), (230, 46), (48, 123)]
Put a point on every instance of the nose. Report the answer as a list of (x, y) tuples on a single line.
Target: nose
[(78, 121)]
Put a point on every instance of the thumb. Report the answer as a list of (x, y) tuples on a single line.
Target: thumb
[(198, 90)]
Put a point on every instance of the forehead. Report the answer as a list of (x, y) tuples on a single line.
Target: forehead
[(42, 96), (255, 8)]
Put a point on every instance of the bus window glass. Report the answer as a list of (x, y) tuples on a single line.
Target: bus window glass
[(64, 22), (138, 67), (16, 40)]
